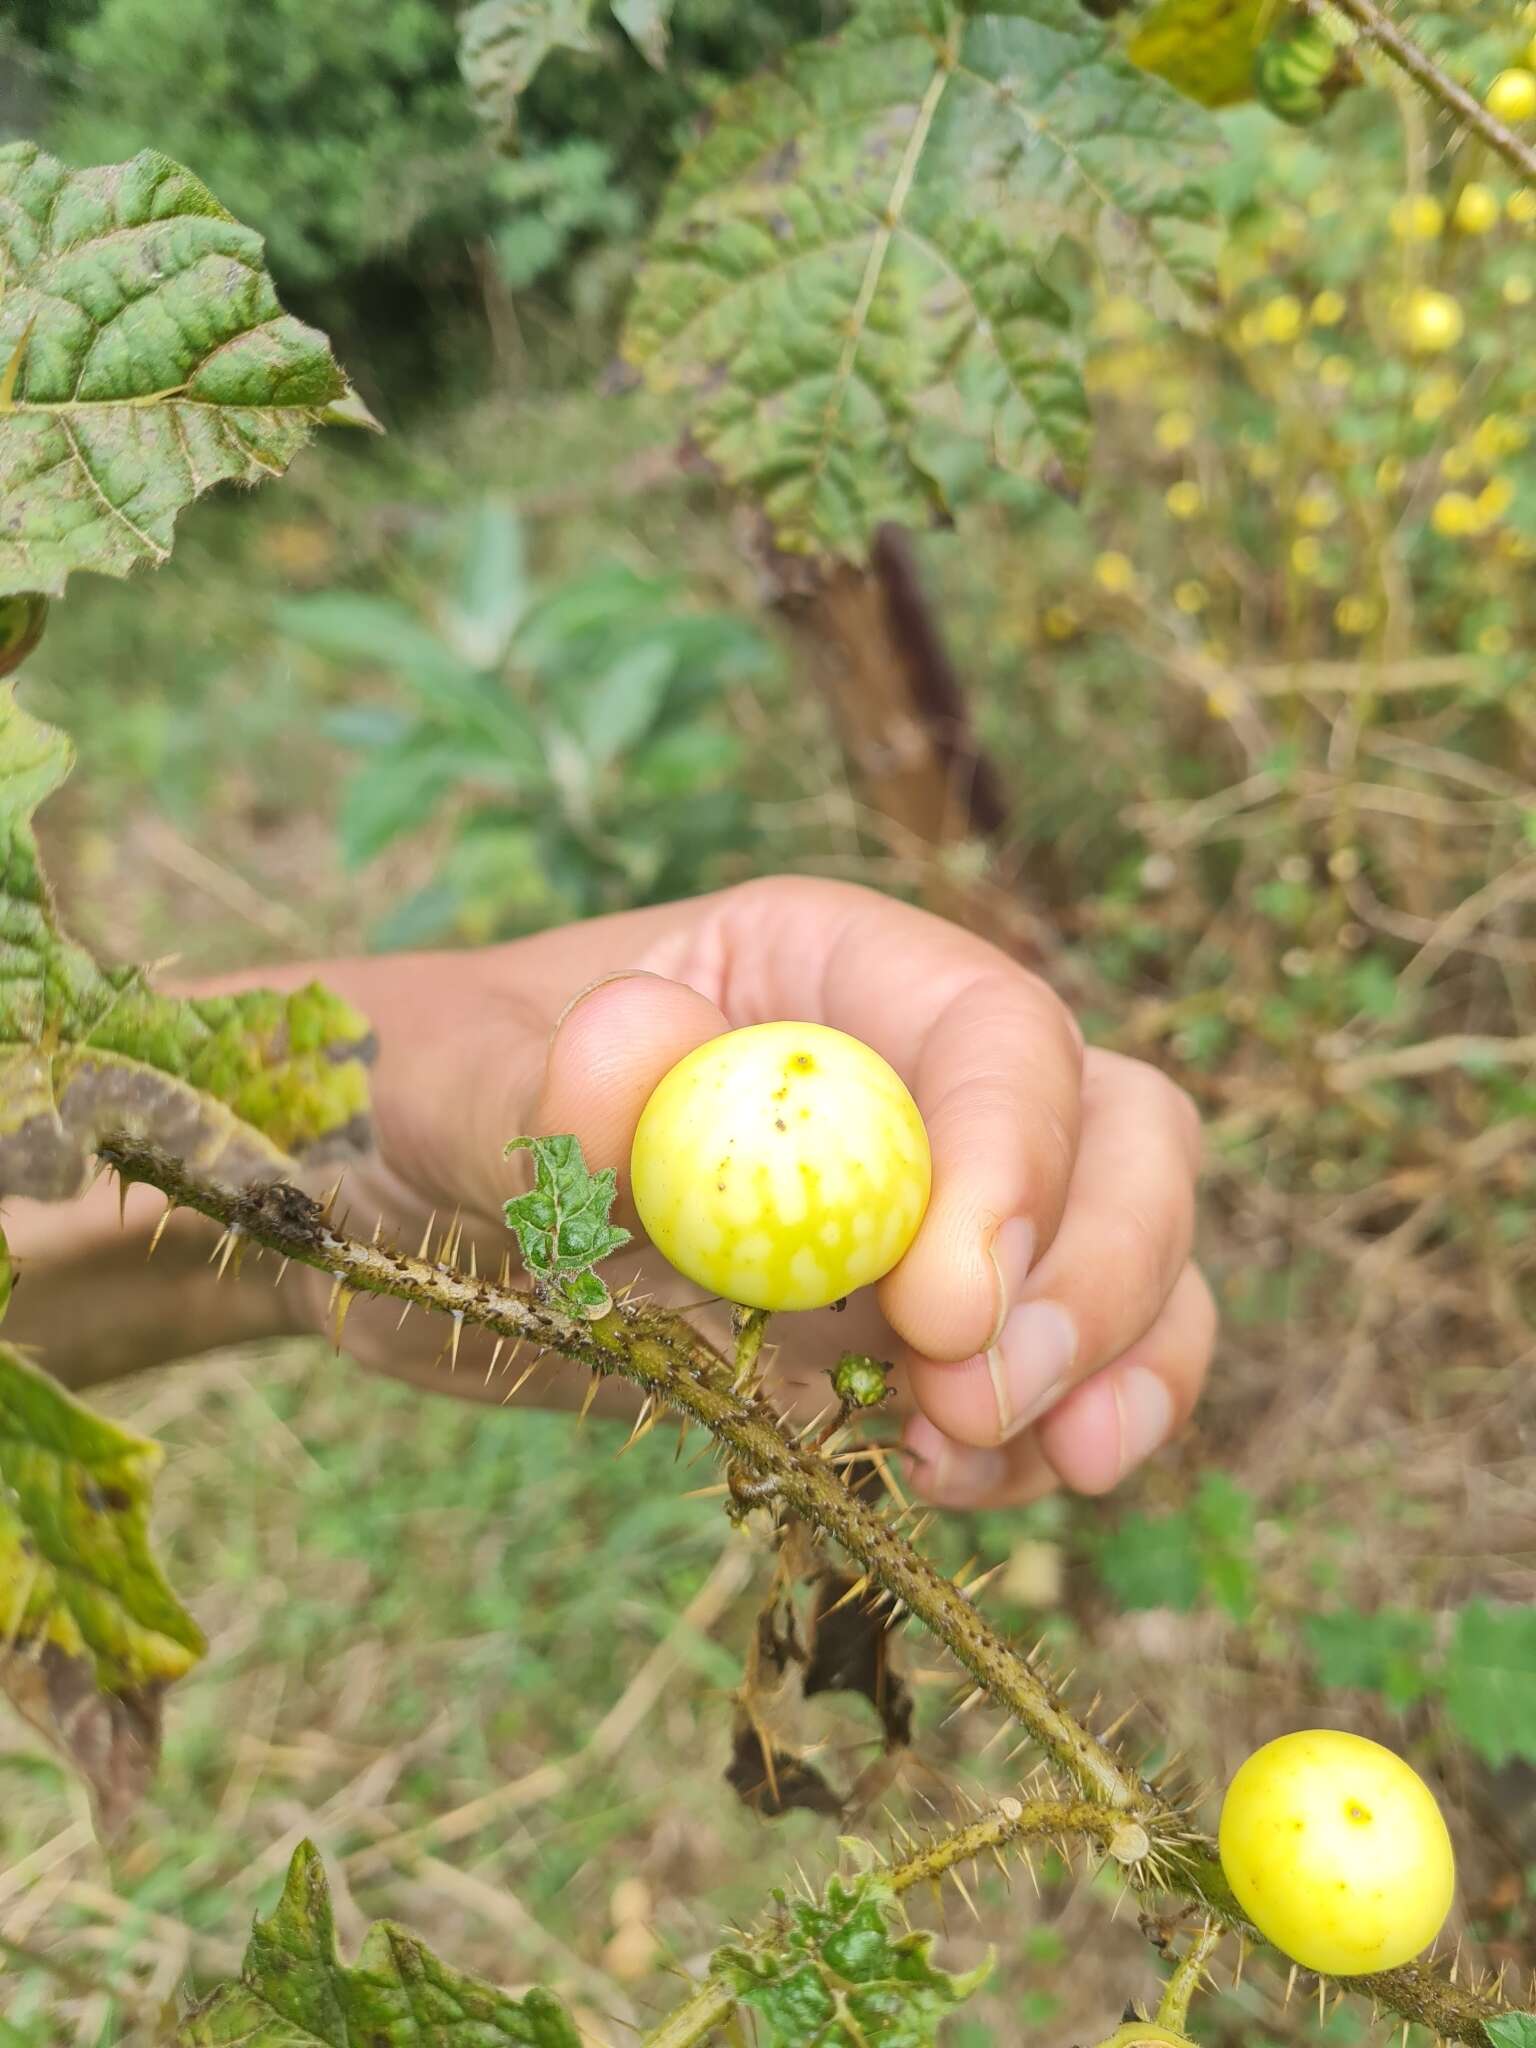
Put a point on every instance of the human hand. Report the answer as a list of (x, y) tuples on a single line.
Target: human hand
[(1047, 1324)]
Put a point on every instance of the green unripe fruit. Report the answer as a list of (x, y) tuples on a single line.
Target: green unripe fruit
[(859, 1381)]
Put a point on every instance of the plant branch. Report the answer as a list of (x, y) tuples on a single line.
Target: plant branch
[(679, 1369), (1173, 2008), (1395, 43), (1011, 1820)]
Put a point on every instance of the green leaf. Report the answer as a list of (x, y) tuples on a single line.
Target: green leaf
[(146, 359), (1384, 1651), (502, 43), (1152, 1561), (90, 1633), (835, 1974), (295, 1991), (1512, 2030), (562, 1225), (238, 1086), (620, 706), (1490, 1681), (374, 632), (849, 264), (646, 23)]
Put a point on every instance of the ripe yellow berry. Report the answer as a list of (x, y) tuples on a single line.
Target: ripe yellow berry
[(1183, 499), (1191, 596), (1175, 430), (1114, 572), (1454, 515), (1337, 1852), (1512, 95), (1418, 219), (1328, 309), (1354, 615), (1280, 321), (1432, 321), (1477, 210), (781, 1166)]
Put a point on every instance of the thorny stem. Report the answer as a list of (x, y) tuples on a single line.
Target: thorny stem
[(679, 1369), (1396, 44), (1009, 1821), (1173, 2007)]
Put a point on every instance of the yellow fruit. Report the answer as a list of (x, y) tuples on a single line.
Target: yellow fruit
[(1512, 95), (1337, 1852), (781, 1166), (1477, 210), (1417, 220), (1454, 513), (1114, 572), (1432, 321), (1183, 499), (1328, 309), (1281, 318)]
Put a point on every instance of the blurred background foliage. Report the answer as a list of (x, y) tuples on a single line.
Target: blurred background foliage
[(1263, 705)]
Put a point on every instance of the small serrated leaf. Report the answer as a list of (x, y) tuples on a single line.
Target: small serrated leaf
[(562, 1223), (150, 361), (836, 1974), (295, 1991), (90, 1633)]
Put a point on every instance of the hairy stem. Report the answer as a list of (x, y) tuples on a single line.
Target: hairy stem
[(1173, 2008), (664, 1355), (1396, 44)]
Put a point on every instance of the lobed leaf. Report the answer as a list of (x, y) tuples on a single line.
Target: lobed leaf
[(295, 1992), (145, 358), (848, 268), (835, 1974), (238, 1086), (90, 1633), (562, 1223)]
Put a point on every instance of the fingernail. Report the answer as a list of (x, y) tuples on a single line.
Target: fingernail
[(1030, 1362), (602, 981), (1146, 1415), (1012, 1253), (948, 1474)]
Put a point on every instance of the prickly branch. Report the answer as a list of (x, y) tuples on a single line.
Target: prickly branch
[(677, 1368)]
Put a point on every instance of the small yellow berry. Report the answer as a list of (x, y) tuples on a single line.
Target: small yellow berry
[(1494, 500), (1115, 573), (1495, 640), (1457, 462), (1437, 396), (1191, 595), (1263, 462), (1454, 514), (1418, 219), (1183, 499), (1354, 615), (1328, 309), (1477, 210), (1175, 430), (1281, 319), (1224, 701), (1432, 321), (1512, 95), (1060, 622), (1316, 506), (1307, 555)]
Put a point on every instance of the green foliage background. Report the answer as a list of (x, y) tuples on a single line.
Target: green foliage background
[(1264, 702)]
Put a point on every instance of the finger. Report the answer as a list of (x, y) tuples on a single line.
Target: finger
[(1102, 1430), (1103, 1279), (609, 1049), (1109, 1425)]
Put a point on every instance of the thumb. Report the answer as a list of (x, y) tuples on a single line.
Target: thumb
[(611, 1046)]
